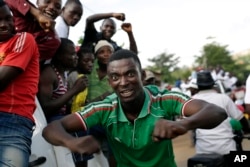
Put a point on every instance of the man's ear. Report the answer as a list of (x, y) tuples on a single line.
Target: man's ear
[(62, 10)]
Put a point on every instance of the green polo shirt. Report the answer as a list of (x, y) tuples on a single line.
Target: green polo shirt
[(132, 144)]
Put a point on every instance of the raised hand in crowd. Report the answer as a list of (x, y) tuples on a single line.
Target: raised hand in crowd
[(119, 16)]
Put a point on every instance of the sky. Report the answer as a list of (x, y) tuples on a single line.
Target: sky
[(179, 27)]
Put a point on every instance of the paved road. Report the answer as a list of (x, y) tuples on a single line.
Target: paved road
[(183, 149)]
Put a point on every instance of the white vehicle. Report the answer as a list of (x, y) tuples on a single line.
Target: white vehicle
[(44, 154)]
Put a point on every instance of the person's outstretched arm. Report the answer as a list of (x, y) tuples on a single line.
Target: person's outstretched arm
[(96, 17), (90, 30), (127, 27), (58, 133), (45, 22), (199, 114), (46, 85)]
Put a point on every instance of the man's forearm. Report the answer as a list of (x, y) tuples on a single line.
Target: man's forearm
[(34, 11), (97, 17), (55, 134), (132, 42)]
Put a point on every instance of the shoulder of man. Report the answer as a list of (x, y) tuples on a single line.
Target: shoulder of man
[(153, 89)]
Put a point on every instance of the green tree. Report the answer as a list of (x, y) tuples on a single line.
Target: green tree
[(183, 72), (214, 54), (242, 69), (80, 40), (165, 64)]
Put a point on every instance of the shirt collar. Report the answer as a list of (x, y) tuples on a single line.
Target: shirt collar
[(144, 111)]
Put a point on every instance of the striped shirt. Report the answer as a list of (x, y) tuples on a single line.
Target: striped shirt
[(132, 144), (60, 91)]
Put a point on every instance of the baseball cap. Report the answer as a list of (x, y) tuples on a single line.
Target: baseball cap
[(149, 75)]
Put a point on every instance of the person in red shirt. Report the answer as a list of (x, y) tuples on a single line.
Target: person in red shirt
[(19, 76), (39, 21)]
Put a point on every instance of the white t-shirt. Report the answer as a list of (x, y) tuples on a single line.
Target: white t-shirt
[(219, 139), (247, 93), (61, 27)]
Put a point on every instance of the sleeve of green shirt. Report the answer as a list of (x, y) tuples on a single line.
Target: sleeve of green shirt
[(98, 113), (170, 102)]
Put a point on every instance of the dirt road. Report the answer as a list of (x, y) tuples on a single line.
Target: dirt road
[(183, 149)]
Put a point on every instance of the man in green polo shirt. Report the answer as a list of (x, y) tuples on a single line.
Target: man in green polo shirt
[(137, 119)]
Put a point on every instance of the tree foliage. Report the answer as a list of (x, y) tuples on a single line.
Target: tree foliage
[(165, 64), (242, 66), (80, 40), (214, 54)]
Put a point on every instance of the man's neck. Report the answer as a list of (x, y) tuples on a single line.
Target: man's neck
[(102, 66), (5, 38), (133, 109)]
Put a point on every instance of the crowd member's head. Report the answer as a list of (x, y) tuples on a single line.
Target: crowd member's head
[(103, 51), (205, 80), (50, 8), (149, 78), (6, 22), (125, 75), (85, 60), (65, 55), (72, 12), (108, 28)]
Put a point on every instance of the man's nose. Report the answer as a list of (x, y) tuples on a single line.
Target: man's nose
[(76, 17), (123, 81), (3, 24)]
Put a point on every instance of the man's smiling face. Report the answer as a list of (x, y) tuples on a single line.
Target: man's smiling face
[(6, 23)]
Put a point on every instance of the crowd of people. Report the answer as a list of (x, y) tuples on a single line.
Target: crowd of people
[(95, 98)]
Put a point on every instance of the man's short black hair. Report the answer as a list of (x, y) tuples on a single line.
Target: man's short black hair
[(109, 19), (73, 1), (125, 54), (60, 50), (83, 51), (2, 3)]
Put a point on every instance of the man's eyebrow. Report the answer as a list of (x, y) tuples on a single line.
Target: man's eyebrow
[(112, 73), (130, 70)]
